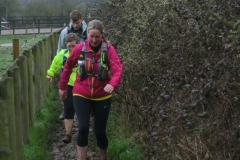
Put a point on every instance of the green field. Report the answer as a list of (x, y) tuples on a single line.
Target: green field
[(6, 52)]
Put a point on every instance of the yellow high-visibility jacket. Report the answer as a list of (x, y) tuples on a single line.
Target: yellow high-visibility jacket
[(57, 64)]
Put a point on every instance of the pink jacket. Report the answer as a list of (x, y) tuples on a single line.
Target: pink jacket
[(91, 87)]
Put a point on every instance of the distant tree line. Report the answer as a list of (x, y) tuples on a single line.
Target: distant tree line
[(11, 8)]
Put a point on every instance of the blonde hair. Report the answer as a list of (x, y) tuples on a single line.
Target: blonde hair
[(96, 24)]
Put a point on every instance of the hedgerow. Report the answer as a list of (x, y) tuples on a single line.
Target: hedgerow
[(180, 89)]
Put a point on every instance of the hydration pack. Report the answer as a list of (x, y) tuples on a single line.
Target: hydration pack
[(83, 64)]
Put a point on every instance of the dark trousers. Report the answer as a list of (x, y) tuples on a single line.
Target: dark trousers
[(68, 104), (100, 110)]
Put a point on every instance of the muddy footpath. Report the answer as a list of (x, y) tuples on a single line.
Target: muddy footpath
[(68, 151)]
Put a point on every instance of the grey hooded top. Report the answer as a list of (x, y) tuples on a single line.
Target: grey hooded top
[(81, 32)]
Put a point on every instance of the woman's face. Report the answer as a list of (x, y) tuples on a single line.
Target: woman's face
[(94, 37), (71, 45)]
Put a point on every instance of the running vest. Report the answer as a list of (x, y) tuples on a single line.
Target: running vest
[(86, 69)]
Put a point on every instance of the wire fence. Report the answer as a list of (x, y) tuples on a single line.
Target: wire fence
[(29, 43)]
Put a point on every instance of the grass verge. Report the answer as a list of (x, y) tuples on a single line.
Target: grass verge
[(25, 42), (121, 146), (45, 125)]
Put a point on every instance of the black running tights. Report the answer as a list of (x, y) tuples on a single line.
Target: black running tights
[(100, 110)]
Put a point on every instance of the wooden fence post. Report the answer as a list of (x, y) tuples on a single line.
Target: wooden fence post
[(52, 41), (42, 69), (28, 54), (22, 63), (4, 134), (54, 44), (7, 94), (56, 40), (15, 48), (47, 62), (14, 72), (36, 76)]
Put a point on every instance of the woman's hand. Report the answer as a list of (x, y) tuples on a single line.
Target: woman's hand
[(62, 94), (49, 78), (108, 88)]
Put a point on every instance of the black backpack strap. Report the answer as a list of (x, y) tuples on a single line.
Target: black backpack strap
[(68, 29), (64, 57)]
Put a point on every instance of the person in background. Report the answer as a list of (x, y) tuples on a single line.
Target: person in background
[(58, 63), (78, 26), (93, 88)]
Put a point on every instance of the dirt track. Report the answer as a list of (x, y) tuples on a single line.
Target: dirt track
[(63, 151)]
